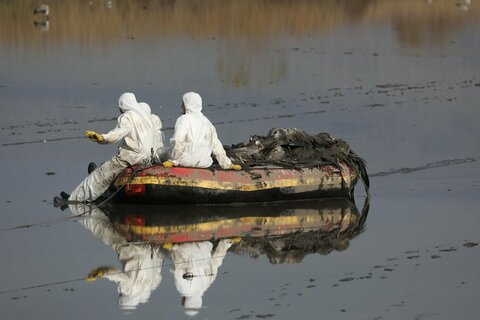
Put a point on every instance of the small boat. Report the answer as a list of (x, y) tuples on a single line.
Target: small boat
[(159, 185), (286, 164)]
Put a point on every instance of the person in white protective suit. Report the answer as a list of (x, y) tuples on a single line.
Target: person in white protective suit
[(195, 138), (138, 131), (141, 263), (195, 268), (158, 127)]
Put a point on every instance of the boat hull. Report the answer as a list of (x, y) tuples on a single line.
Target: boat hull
[(160, 185)]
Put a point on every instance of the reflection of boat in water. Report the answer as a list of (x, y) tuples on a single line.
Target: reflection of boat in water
[(303, 223), (197, 239)]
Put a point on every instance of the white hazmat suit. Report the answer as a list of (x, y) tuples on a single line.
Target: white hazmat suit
[(195, 268), (158, 127), (195, 138), (139, 135), (141, 263)]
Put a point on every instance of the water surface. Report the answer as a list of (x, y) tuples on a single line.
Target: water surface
[(398, 80)]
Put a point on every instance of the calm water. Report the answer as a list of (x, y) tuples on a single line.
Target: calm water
[(398, 80)]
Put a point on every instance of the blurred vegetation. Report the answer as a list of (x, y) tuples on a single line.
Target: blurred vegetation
[(237, 27), (93, 22)]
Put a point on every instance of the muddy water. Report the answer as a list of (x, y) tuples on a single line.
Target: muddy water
[(399, 80)]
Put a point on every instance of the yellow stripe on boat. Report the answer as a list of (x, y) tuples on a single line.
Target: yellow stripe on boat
[(227, 185)]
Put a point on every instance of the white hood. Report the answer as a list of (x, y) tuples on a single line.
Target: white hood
[(127, 102), (192, 102)]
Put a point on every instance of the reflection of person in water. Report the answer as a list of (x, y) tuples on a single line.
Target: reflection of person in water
[(195, 266), (141, 263)]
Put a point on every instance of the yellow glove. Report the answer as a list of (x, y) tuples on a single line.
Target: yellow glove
[(96, 137), (167, 246), (235, 240), (235, 167), (99, 272), (168, 164)]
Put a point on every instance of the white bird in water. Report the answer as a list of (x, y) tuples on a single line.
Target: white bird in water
[(42, 9)]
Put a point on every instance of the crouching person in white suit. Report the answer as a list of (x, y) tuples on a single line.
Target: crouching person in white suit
[(195, 138), (140, 139)]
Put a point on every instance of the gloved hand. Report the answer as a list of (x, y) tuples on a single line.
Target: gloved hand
[(167, 246), (98, 272), (234, 240), (235, 167), (96, 137), (168, 164)]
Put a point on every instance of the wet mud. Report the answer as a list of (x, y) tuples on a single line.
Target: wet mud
[(383, 272), (417, 94), (398, 80)]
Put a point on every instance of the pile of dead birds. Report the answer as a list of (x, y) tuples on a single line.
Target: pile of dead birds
[(294, 148)]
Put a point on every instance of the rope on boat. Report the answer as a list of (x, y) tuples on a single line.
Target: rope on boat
[(139, 168), (134, 173)]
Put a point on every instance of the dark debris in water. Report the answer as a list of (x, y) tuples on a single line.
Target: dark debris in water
[(426, 315), (50, 173), (399, 304), (448, 249), (470, 244), (347, 279), (102, 119), (432, 165), (375, 105)]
